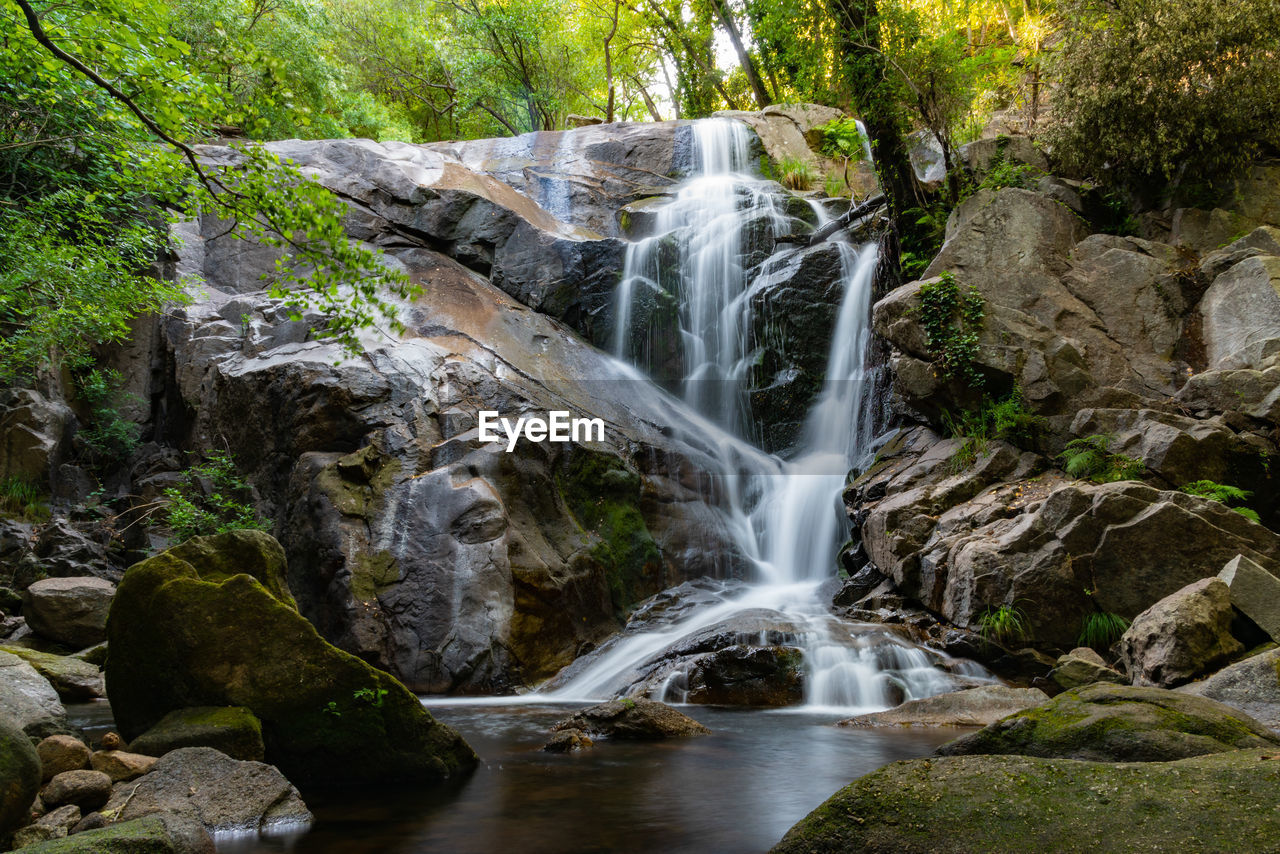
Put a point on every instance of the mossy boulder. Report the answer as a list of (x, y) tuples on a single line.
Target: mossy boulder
[(74, 680), (254, 553), (1118, 723), (632, 718), (19, 776), (958, 805), (162, 833), (231, 729), (180, 639)]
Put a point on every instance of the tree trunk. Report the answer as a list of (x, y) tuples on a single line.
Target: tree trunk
[(763, 98)]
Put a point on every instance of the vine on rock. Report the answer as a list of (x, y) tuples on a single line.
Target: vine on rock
[(952, 318)]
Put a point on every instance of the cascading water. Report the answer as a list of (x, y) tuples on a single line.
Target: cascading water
[(785, 515)]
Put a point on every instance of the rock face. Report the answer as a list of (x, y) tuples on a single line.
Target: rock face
[(1184, 635), (222, 793), (632, 718), (72, 611), (231, 730), (1114, 723), (178, 641), (34, 433), (27, 698), (1252, 686), (19, 775), (1018, 803), (1254, 593), (979, 706)]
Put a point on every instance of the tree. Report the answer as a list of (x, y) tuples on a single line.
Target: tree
[(1172, 89)]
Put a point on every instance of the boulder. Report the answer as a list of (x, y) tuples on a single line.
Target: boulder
[(1254, 593), (180, 641), (223, 794), (1118, 723), (632, 718), (1252, 393), (568, 741), (236, 552), (978, 156), (120, 765), (60, 753), (1083, 666), (1245, 202), (979, 706), (33, 435), (75, 681), (163, 833), (1019, 803), (56, 824), (19, 775), (748, 676), (88, 790), (1184, 635), (28, 699), (230, 729), (1252, 686), (71, 611), (1241, 312)]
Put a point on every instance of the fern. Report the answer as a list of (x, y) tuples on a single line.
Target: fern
[(1101, 629), (1003, 624), (1090, 458), (1223, 493)]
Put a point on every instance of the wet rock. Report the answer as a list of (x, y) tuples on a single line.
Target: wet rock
[(1083, 666), (60, 753), (634, 719), (28, 699), (979, 706), (1251, 686), (75, 681), (1184, 635), (88, 790), (1115, 723), (748, 676), (72, 611), (568, 741), (179, 640), (19, 775), (120, 765), (1019, 803), (233, 730), (222, 793), (162, 833)]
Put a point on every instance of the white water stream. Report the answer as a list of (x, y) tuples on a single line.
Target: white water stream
[(785, 516)]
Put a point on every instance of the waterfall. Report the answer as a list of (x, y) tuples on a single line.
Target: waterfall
[(786, 516)]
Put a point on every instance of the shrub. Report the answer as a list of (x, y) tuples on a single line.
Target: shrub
[(1003, 172), (108, 435), (952, 318), (1224, 494), (23, 498), (796, 174), (1006, 418), (210, 499), (1090, 458), (1003, 625), (1101, 629)]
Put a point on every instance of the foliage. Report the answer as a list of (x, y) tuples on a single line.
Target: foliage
[(211, 498), (952, 318), (921, 244), (1100, 629), (109, 436), (1090, 458), (833, 187), (796, 174), (1224, 494), (1167, 88), (842, 139), (1005, 172), (1006, 418), (23, 498), (1004, 625)]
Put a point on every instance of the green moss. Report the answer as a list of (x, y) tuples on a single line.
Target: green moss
[(234, 730), (372, 574), (255, 553), (147, 835), (604, 498), (19, 776)]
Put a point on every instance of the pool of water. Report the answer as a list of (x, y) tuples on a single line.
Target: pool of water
[(737, 790)]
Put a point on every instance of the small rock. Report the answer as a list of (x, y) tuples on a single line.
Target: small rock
[(71, 611), (1083, 666), (567, 741), (33, 834), (633, 719), (88, 790), (92, 821), (64, 817), (119, 765), (60, 753), (231, 729), (112, 741), (973, 707), (1184, 635)]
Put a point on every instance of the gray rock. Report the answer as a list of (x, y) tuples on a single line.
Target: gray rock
[(1241, 313), (1118, 723), (1083, 666), (1254, 393), (978, 155), (88, 790), (979, 706), (633, 719), (72, 611), (162, 833), (75, 681), (222, 793), (748, 676), (34, 433), (28, 699), (63, 817), (1184, 635), (1254, 593), (60, 753), (19, 775), (1251, 685)]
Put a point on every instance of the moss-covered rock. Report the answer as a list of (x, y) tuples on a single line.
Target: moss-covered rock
[(1118, 723), (164, 833), (73, 679), (254, 553), (1007, 804), (19, 776), (179, 639), (231, 729), (632, 718)]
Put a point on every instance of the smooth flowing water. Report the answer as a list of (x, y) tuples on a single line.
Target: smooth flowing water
[(785, 515)]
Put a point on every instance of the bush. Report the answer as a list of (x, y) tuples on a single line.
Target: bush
[(1090, 458), (109, 436), (1003, 625), (23, 498), (1006, 418), (952, 318), (1101, 629), (796, 174), (210, 499), (1158, 88)]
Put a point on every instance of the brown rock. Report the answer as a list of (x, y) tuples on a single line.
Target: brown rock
[(88, 790), (119, 765), (60, 753), (973, 707), (1184, 635), (633, 718), (567, 741)]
